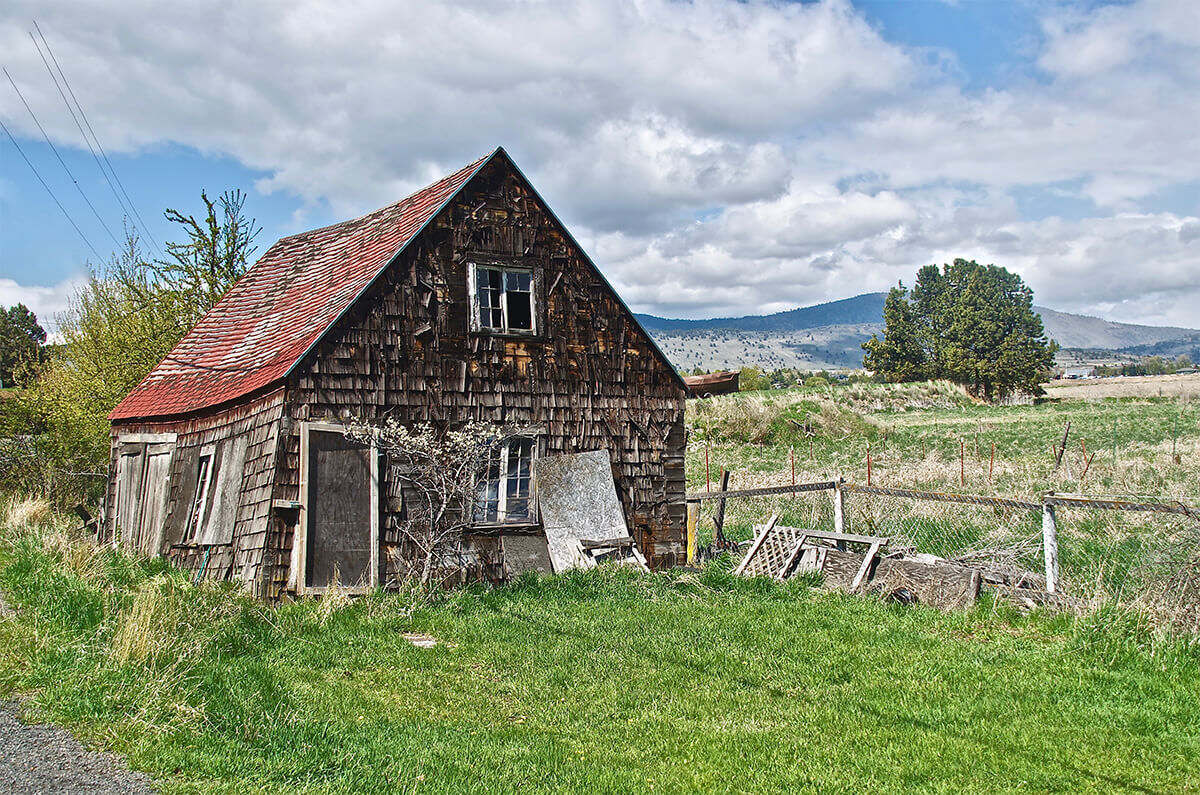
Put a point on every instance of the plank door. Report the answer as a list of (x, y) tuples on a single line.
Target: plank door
[(130, 468), (341, 514), (156, 487)]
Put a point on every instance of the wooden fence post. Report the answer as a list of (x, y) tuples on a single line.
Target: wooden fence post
[(1050, 546), (719, 516), (839, 508), (693, 518)]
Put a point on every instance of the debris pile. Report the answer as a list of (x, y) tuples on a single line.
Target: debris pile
[(864, 564)]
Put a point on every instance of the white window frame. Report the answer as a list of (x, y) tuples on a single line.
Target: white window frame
[(297, 579), (192, 533), (473, 290), (502, 519)]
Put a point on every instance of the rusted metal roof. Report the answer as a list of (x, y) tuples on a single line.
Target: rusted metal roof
[(273, 316), (716, 383)]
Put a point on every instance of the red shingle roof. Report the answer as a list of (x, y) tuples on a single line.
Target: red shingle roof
[(266, 323)]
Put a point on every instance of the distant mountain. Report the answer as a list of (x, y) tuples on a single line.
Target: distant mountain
[(1173, 348), (1083, 331), (830, 335), (865, 308)]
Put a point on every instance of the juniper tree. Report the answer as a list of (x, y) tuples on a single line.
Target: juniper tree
[(969, 323)]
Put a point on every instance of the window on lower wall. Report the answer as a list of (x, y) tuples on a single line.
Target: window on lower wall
[(503, 299), (196, 514), (504, 491)]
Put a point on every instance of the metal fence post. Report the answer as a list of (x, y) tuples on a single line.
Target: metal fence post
[(1050, 546)]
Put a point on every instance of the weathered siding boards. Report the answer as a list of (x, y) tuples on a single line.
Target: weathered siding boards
[(257, 421), (586, 359)]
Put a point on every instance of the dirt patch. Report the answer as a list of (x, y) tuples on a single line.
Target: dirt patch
[(47, 759), (1185, 386)]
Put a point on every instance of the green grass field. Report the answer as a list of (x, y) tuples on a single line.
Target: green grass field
[(604, 681), (613, 681)]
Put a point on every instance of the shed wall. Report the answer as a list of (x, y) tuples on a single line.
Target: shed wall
[(257, 422)]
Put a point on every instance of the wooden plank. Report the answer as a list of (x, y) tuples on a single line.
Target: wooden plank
[(851, 537), (700, 496), (693, 519), (866, 564)]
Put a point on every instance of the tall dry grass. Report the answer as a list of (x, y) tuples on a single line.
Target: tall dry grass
[(27, 512)]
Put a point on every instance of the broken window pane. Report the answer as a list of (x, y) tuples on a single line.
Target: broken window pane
[(504, 298), (196, 514), (520, 311)]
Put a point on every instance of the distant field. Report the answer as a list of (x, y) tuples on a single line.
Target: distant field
[(934, 437), (1180, 386)]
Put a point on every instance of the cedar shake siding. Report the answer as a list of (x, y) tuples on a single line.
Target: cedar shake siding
[(403, 340)]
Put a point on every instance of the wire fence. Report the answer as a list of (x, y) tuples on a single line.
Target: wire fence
[(1140, 551)]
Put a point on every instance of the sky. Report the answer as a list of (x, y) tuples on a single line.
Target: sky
[(713, 157)]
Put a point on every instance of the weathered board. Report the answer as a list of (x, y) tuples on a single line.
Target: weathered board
[(578, 501)]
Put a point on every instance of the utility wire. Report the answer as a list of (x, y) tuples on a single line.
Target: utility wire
[(133, 207), (86, 140), (52, 196), (62, 162)]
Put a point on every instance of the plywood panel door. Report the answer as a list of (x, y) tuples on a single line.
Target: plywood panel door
[(341, 511)]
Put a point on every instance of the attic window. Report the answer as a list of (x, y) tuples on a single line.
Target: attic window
[(504, 491), (504, 299)]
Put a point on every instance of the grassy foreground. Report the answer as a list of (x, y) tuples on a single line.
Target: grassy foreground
[(605, 681)]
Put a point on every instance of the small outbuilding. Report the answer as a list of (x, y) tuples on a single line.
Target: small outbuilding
[(467, 301)]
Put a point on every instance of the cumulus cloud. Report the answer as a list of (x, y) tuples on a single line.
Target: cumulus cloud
[(45, 302), (715, 156)]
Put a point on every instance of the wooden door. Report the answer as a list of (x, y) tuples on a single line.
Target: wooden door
[(130, 468), (155, 490), (341, 514)]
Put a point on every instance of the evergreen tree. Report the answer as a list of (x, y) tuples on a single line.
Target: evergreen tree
[(21, 340), (969, 323), (899, 355)]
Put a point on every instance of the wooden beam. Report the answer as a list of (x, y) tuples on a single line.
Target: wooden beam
[(866, 565), (719, 516), (700, 496)]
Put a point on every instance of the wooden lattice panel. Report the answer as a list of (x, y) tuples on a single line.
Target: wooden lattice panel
[(768, 555)]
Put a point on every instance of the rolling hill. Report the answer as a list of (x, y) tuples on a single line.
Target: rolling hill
[(829, 336)]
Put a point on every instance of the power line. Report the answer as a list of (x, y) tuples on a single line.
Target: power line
[(52, 196), (145, 228), (86, 140), (62, 162)]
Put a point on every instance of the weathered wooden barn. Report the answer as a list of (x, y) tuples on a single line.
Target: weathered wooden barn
[(468, 300)]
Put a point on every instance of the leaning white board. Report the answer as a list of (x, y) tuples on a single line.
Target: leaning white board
[(578, 499)]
